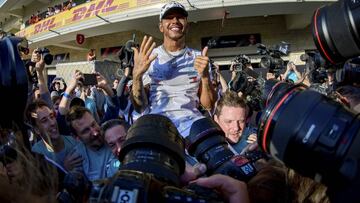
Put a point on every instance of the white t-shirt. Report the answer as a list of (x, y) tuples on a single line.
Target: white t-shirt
[(174, 85)]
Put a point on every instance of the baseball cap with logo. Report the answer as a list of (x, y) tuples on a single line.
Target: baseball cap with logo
[(173, 5)]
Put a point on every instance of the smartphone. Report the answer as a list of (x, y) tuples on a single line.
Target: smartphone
[(89, 79)]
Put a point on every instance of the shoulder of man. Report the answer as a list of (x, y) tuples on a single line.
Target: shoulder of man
[(191, 51), (70, 140), (38, 147)]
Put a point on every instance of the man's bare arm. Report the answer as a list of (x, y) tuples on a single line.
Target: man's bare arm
[(142, 61)]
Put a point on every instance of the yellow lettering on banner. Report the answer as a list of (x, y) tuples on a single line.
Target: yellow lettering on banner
[(83, 12)]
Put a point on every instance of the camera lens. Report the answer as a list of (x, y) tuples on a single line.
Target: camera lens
[(48, 58), (271, 63), (310, 133), (331, 25), (207, 143), (348, 75), (154, 145)]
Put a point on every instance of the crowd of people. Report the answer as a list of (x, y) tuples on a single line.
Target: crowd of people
[(65, 6), (81, 128)]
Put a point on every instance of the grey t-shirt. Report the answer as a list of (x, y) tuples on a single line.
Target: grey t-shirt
[(69, 144), (97, 164), (174, 85)]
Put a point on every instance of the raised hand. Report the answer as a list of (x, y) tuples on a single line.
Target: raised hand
[(201, 63), (72, 161), (143, 57), (38, 59)]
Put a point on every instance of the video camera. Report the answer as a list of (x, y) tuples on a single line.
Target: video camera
[(241, 62), (316, 66), (272, 59), (251, 85), (248, 82), (152, 160), (126, 56)]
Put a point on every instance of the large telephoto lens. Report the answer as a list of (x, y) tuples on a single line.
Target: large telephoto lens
[(311, 133), (153, 145), (336, 30), (208, 144)]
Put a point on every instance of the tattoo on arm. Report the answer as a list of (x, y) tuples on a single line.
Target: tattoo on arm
[(139, 97)]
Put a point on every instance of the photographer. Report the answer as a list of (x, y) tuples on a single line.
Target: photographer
[(291, 72), (36, 75), (55, 88), (91, 55), (231, 115), (172, 93), (111, 104), (26, 173), (218, 78)]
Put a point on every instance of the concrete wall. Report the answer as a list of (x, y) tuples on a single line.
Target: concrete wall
[(110, 40), (272, 30)]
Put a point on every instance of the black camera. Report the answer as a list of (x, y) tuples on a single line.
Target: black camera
[(45, 52), (272, 59), (207, 143), (314, 135), (241, 62), (251, 85), (152, 160), (315, 66), (126, 56), (349, 74), (335, 46)]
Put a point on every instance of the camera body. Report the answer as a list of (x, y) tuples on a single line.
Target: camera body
[(316, 66), (45, 52), (241, 62), (272, 59), (126, 56), (251, 87)]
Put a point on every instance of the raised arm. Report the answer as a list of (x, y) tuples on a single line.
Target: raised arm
[(142, 61), (207, 91), (64, 105), (223, 83)]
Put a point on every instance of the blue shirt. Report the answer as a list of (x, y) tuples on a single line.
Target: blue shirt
[(97, 164), (292, 76), (58, 157)]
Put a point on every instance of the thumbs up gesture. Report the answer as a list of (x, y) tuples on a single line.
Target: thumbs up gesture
[(201, 63)]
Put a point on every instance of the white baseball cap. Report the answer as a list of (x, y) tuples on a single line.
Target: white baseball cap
[(173, 5)]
